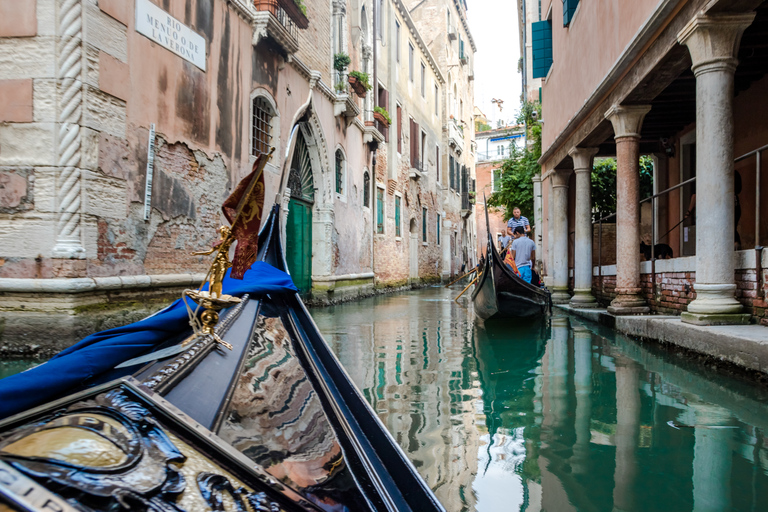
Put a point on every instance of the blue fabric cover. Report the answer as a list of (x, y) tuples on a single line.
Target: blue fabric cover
[(100, 352)]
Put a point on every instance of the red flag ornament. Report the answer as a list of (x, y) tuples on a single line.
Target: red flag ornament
[(244, 209)]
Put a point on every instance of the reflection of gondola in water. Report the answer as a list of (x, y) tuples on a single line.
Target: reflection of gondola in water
[(499, 292), (273, 424)]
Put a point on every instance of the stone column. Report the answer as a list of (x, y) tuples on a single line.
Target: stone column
[(627, 121), (69, 191), (582, 265), (550, 231), (537, 221), (713, 42), (559, 241)]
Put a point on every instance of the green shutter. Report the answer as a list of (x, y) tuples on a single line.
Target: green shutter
[(438, 229), (379, 211), (424, 225), (569, 7), (541, 40), (397, 215)]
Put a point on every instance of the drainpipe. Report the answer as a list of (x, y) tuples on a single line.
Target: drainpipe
[(373, 201), (375, 66), (759, 271)]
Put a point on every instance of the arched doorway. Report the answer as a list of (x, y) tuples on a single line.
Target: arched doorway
[(298, 233), (413, 260)]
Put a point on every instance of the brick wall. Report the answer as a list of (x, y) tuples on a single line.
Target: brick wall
[(675, 290)]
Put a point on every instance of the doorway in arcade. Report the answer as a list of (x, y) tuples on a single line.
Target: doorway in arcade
[(298, 233)]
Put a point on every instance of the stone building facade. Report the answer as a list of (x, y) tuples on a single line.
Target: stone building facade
[(682, 82), (125, 124)]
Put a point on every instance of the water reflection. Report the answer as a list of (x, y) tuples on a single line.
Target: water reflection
[(551, 416)]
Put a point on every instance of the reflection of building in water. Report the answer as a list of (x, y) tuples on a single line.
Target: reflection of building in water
[(276, 419), (412, 367), (621, 411)]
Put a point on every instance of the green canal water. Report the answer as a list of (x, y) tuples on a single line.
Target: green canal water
[(556, 416)]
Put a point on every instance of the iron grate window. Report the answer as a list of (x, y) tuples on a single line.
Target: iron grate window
[(366, 189), (339, 172), (260, 126), (423, 224)]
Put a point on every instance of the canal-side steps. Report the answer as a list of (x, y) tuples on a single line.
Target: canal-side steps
[(745, 346)]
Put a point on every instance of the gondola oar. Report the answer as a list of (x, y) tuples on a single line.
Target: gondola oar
[(467, 288), (462, 277)]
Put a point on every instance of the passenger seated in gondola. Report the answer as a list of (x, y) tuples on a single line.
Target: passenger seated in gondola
[(523, 251)]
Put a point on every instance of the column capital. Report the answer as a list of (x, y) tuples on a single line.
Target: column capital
[(713, 41), (536, 178), (560, 177), (582, 158), (627, 119)]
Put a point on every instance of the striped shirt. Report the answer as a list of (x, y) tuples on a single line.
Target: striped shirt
[(513, 223)]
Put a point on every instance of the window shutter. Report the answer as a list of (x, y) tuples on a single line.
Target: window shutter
[(417, 145), (541, 40), (413, 142), (569, 7)]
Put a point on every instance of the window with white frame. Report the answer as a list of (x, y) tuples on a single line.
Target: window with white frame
[(423, 80), (410, 62)]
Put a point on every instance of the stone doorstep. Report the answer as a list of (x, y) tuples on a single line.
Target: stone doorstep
[(745, 346)]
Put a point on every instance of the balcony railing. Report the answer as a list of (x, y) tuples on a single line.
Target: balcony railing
[(455, 135), (281, 23)]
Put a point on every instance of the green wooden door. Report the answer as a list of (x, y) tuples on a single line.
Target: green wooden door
[(298, 245), (298, 233)]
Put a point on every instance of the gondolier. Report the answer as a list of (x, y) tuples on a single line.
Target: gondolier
[(517, 220), (523, 251)]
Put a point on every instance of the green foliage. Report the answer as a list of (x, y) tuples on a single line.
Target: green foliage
[(341, 61), (383, 112), (604, 185), (515, 187), (482, 127), (302, 7), (363, 78)]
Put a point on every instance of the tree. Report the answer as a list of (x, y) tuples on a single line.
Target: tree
[(604, 185), (515, 185)]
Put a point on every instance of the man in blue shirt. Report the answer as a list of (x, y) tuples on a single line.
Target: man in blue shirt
[(517, 220), (523, 250)]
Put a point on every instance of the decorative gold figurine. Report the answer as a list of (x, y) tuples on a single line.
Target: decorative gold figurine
[(213, 300)]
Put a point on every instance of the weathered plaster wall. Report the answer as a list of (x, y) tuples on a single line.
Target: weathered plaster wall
[(599, 30)]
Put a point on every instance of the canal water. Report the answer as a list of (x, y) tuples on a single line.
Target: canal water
[(562, 415)]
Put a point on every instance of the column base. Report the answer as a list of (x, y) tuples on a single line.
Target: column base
[(628, 303), (715, 318), (560, 296), (715, 299), (583, 299)]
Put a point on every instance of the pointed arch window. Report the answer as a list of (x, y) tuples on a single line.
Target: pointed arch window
[(366, 189), (340, 169)]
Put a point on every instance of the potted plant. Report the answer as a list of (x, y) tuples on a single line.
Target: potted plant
[(340, 87), (340, 61), (359, 82), (381, 115)]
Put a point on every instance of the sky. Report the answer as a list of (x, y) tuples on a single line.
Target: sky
[(494, 28)]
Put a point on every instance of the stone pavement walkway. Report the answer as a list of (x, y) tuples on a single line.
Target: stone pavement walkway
[(743, 345)]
